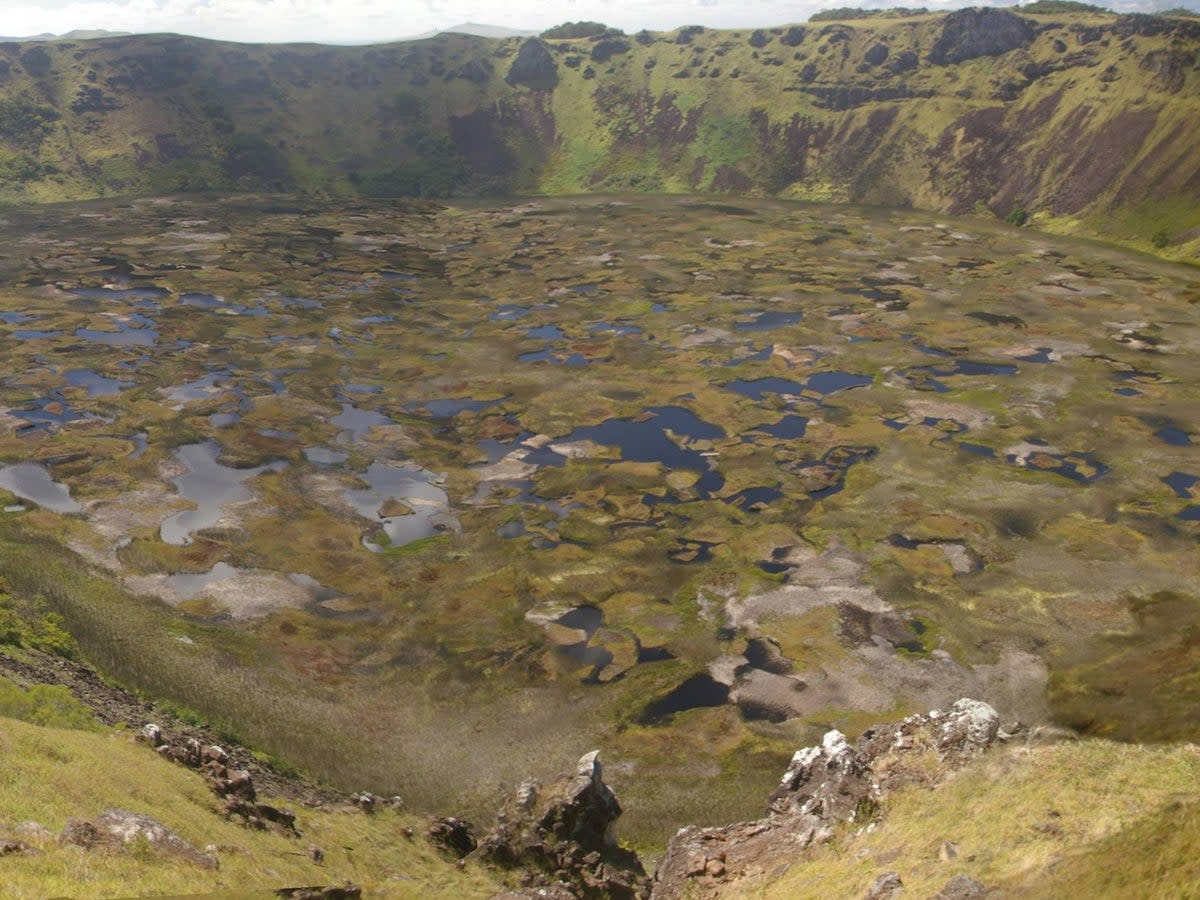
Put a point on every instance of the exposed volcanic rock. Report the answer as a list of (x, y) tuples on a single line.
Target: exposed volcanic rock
[(825, 786), (562, 834), (534, 67), (120, 828), (234, 786), (603, 51), (971, 33), (453, 835)]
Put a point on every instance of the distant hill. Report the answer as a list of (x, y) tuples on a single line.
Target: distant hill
[(476, 30), (1083, 121), (77, 35)]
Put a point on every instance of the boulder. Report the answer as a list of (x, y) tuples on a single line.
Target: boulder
[(234, 786), (81, 833), (563, 832), (887, 886), (34, 831), (453, 835), (365, 801), (120, 828), (152, 734), (830, 783), (968, 728), (261, 816)]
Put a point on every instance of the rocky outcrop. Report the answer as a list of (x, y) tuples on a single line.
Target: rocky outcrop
[(971, 33), (534, 67), (113, 706), (562, 835), (121, 828), (234, 786), (827, 786), (453, 835)]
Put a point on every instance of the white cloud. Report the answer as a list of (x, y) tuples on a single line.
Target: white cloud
[(360, 20)]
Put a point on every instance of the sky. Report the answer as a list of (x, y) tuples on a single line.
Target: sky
[(347, 21)]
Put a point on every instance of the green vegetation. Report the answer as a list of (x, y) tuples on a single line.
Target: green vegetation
[(31, 623), (856, 115), (253, 156), (1036, 822), (51, 775), (1057, 7), (433, 175), (570, 30), (25, 123), (1017, 216), (41, 704), (373, 674), (851, 13)]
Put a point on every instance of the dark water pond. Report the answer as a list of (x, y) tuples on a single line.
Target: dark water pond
[(698, 691), (136, 293), (50, 410), (646, 440), (357, 422), (96, 385), (448, 409), (788, 428), (821, 382), (768, 320), (1181, 483)]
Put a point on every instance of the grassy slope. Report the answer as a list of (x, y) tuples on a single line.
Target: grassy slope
[(228, 676), (49, 775), (1039, 822), (1046, 821), (1030, 128), (1031, 153)]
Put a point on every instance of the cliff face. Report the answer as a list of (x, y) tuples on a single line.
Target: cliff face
[(1084, 119)]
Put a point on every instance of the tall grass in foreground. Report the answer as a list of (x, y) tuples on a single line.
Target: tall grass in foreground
[(1087, 819), (48, 775)]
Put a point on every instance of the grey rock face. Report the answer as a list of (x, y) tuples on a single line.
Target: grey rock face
[(971, 33), (534, 67)]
